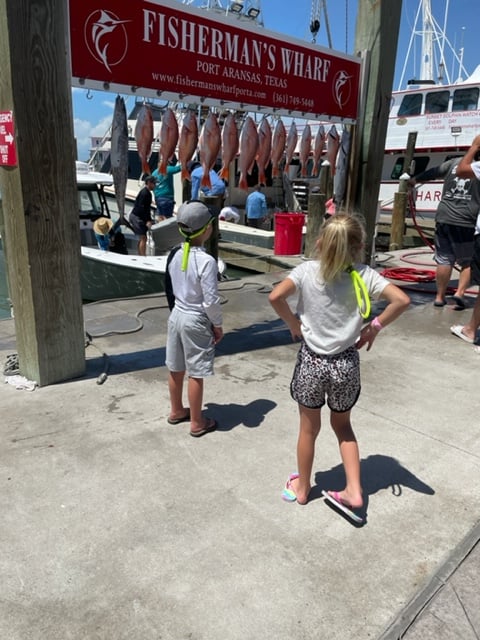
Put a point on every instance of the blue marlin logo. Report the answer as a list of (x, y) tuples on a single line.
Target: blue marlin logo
[(105, 25), (341, 88)]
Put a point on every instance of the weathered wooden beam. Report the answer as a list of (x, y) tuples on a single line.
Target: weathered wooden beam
[(377, 30), (40, 200)]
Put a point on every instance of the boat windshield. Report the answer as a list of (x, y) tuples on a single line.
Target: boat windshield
[(411, 105), (465, 99), (91, 202)]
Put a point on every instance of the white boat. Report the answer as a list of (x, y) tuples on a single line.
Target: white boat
[(106, 274), (444, 112)]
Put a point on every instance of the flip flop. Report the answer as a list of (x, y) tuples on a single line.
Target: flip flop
[(334, 498), (459, 303), (456, 329), (185, 418), (439, 304), (288, 494), (210, 425)]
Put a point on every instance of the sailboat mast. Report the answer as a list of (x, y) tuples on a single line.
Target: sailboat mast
[(426, 70)]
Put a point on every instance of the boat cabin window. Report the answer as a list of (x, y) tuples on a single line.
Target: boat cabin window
[(421, 163), (437, 102), (89, 203), (465, 99), (411, 105)]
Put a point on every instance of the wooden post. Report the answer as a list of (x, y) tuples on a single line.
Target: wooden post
[(315, 218), (215, 203), (397, 228), (377, 32), (40, 200)]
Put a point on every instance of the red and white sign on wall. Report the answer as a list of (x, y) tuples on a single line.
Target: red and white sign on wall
[(8, 152), (162, 48)]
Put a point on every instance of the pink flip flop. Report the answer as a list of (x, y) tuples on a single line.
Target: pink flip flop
[(334, 498)]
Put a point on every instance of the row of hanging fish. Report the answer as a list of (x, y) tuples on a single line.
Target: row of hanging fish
[(253, 144)]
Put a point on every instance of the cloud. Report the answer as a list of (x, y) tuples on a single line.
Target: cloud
[(84, 130)]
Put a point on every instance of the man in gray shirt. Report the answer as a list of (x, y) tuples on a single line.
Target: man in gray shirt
[(454, 227)]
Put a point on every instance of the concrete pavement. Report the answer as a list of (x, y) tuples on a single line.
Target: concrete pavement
[(117, 525)]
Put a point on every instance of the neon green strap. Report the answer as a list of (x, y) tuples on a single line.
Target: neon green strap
[(186, 244), (361, 292)]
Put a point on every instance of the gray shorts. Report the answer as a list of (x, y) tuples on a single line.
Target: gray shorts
[(337, 377), (190, 344), (453, 244)]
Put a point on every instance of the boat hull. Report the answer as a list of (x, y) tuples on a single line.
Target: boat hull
[(106, 275)]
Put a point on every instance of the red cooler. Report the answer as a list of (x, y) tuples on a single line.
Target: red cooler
[(288, 234)]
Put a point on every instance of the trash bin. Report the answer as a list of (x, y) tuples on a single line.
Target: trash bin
[(288, 229)]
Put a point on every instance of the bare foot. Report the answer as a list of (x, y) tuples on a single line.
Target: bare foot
[(348, 499), (299, 491)]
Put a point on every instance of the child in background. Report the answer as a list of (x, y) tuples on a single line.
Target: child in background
[(334, 298), (195, 321)]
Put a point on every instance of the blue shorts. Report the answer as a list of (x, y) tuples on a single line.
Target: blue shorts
[(317, 376), (453, 244), (165, 207), (190, 344)]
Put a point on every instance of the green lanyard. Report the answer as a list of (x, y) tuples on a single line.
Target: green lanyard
[(361, 292), (186, 244)]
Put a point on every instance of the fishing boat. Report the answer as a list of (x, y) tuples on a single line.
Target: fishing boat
[(107, 274), (444, 112)]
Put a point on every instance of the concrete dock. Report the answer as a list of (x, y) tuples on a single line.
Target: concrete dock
[(117, 525)]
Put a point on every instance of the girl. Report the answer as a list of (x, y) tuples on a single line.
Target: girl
[(334, 298)]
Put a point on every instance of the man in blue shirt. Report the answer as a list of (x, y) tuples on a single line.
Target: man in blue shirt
[(218, 185), (164, 190), (256, 207)]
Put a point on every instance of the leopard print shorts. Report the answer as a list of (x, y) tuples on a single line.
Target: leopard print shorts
[(337, 377)]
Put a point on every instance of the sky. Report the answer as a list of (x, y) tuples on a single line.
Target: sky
[(93, 111)]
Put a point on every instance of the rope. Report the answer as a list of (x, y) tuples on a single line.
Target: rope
[(408, 274)]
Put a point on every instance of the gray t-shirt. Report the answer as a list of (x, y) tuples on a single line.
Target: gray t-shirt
[(329, 313), (460, 202)]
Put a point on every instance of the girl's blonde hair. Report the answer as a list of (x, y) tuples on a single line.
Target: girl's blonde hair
[(340, 243)]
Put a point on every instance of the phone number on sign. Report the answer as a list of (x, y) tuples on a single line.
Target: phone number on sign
[(295, 101)]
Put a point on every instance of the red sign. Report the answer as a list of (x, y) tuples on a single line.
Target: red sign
[(8, 152), (159, 48)]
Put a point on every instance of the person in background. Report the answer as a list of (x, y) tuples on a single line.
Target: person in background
[(256, 207), (217, 188), (140, 217), (454, 228), (229, 214), (469, 168), (195, 322), (101, 228), (333, 303), (164, 191)]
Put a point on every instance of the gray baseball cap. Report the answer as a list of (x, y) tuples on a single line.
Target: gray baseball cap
[(193, 215)]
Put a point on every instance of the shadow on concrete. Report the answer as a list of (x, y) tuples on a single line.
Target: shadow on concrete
[(378, 472), (233, 415)]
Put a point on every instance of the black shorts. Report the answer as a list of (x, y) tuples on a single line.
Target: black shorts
[(475, 264), (138, 225)]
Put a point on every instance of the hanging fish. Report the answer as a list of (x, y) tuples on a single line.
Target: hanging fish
[(333, 142), (264, 148), (319, 148), (230, 144), (341, 169), (168, 139), (119, 154), (278, 147), (292, 140), (248, 150), (305, 148), (144, 136), (188, 141), (210, 142)]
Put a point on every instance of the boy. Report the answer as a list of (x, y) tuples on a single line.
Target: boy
[(195, 322)]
